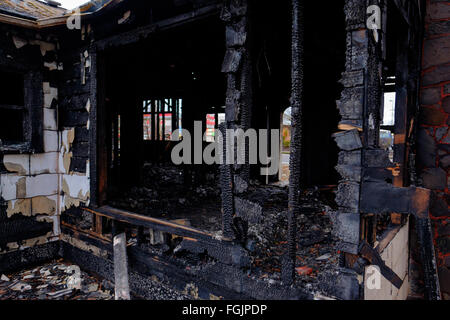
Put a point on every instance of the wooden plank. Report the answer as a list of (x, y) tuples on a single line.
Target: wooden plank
[(152, 223), (387, 237), (99, 224), (88, 233), (121, 282), (372, 255)]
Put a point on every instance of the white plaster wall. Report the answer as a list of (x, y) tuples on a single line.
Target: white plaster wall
[(40, 185)]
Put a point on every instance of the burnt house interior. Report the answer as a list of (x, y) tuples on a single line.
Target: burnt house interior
[(94, 103)]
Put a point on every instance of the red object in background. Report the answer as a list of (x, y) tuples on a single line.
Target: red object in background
[(304, 271)]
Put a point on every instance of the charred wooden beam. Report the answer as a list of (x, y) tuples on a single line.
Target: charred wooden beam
[(149, 222), (296, 142), (372, 255), (428, 257), (137, 35), (384, 198), (226, 183), (194, 240), (94, 92)]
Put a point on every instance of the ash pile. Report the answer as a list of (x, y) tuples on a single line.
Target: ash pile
[(166, 194), (266, 210), (54, 281)]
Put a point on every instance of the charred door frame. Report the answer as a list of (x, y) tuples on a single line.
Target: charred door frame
[(370, 193), (98, 171)]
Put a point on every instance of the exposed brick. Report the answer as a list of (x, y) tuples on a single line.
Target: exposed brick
[(438, 10), (444, 279), (426, 149), (447, 261), (432, 117), (445, 162), (430, 96), (436, 52), (444, 147), (446, 139), (446, 104), (435, 179), (438, 27), (441, 133), (439, 74), (439, 207), (443, 245), (444, 229)]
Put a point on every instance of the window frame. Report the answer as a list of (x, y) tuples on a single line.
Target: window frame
[(32, 112)]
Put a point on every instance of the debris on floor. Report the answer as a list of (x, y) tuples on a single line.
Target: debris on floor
[(164, 196), (316, 245), (54, 281)]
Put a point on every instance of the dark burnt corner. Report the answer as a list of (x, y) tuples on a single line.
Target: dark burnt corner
[(356, 90)]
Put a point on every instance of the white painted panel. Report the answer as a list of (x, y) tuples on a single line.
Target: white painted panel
[(41, 185), (50, 119), (77, 185), (8, 188), (50, 141), (44, 163)]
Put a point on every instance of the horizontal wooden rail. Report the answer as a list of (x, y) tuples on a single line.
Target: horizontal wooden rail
[(152, 223)]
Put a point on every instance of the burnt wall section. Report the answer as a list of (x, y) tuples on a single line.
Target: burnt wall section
[(41, 180), (433, 138), (30, 257), (30, 171), (351, 107), (74, 116), (239, 98), (193, 276)]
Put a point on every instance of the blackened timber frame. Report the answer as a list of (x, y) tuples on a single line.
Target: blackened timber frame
[(98, 165), (98, 192), (96, 95), (146, 31), (296, 142)]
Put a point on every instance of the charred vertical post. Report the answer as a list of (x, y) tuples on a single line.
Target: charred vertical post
[(226, 183), (296, 142), (237, 66), (93, 130)]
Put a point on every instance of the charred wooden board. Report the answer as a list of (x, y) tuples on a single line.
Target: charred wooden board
[(194, 240), (372, 255)]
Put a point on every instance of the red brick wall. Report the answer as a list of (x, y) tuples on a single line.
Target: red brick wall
[(433, 158)]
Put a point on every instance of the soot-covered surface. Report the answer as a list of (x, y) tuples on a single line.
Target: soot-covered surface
[(317, 257), (165, 196)]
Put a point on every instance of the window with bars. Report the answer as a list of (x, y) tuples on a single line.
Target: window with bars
[(161, 118)]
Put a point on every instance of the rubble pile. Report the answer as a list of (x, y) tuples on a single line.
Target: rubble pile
[(317, 256), (54, 281), (164, 195)]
